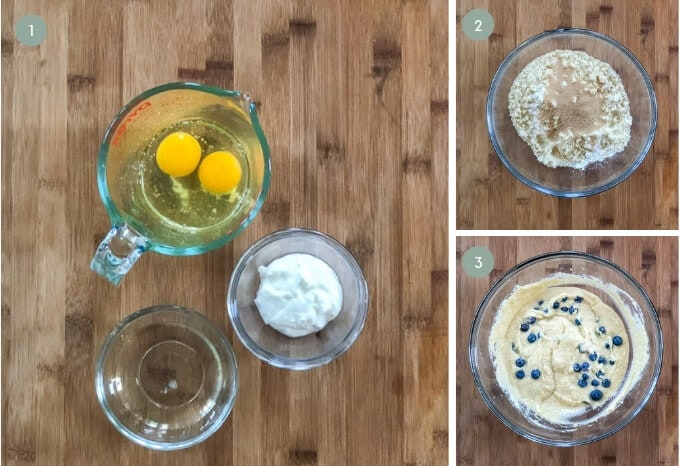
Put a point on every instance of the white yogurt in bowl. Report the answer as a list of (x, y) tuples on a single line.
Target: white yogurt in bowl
[(297, 299), (299, 294)]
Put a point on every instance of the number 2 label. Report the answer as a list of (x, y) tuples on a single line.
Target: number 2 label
[(477, 24)]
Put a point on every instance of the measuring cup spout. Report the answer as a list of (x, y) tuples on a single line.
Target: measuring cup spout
[(246, 102), (117, 253)]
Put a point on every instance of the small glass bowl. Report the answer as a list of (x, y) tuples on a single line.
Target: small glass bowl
[(586, 430), (166, 378), (516, 154), (312, 350)]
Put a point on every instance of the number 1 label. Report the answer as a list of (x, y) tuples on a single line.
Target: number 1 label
[(30, 30)]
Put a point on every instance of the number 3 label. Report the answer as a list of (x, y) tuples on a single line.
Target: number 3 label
[(477, 262)]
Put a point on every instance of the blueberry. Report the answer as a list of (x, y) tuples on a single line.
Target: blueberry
[(572, 309), (602, 360), (545, 311), (595, 395), (617, 340), (540, 302), (585, 376), (519, 374), (531, 338), (582, 383), (577, 322), (611, 363), (607, 345), (578, 299), (601, 329), (531, 320), (519, 362), (524, 327), (577, 367), (592, 356), (556, 305), (535, 374), (606, 383), (599, 373), (584, 366), (564, 309), (564, 300), (595, 382)]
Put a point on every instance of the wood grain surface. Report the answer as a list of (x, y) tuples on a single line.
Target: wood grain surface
[(652, 437), (488, 196), (353, 99)]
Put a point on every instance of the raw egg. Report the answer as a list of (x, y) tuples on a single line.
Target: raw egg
[(220, 172), (178, 154)]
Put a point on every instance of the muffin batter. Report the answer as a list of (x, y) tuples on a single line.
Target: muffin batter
[(571, 109), (559, 350)]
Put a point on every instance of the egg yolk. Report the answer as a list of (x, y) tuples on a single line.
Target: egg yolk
[(178, 154), (220, 172)]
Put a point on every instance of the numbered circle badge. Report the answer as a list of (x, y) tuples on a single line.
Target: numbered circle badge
[(477, 24), (477, 262), (31, 30)]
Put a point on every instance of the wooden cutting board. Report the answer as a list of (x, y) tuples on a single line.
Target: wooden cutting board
[(489, 197), (353, 100), (652, 437)]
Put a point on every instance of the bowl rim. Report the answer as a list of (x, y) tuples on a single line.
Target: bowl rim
[(565, 192), (656, 327), (101, 393), (281, 361)]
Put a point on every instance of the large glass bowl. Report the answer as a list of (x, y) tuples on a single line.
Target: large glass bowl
[(593, 427), (166, 378), (317, 348), (516, 154)]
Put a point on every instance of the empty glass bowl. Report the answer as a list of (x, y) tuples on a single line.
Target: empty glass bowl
[(166, 378), (312, 350), (516, 154), (594, 424)]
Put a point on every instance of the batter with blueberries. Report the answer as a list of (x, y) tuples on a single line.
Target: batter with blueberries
[(559, 350)]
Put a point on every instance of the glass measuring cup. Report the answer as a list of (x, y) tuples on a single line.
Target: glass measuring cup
[(174, 215)]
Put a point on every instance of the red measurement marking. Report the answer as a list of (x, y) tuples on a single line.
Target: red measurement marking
[(129, 119)]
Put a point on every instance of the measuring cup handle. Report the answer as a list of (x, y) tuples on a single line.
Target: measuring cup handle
[(117, 253)]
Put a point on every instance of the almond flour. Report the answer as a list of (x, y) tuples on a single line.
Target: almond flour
[(571, 109)]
